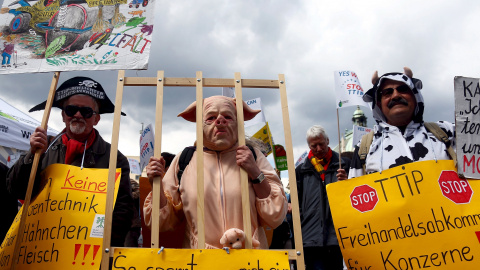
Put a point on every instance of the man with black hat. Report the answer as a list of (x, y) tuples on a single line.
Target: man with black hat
[(82, 100), (400, 135)]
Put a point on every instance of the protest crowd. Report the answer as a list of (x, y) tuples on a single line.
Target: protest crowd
[(399, 137)]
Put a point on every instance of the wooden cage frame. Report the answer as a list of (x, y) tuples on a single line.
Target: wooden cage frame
[(199, 82)]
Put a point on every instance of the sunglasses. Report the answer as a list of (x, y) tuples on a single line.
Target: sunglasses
[(388, 92), (86, 112)]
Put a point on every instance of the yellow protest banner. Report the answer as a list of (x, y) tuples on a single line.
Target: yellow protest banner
[(199, 259), (415, 216), (264, 135), (64, 225)]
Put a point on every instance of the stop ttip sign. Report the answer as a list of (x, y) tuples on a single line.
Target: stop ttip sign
[(364, 198), (454, 188)]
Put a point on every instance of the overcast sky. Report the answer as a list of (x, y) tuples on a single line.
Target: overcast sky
[(305, 40)]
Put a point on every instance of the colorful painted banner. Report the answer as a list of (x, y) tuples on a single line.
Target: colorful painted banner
[(348, 90), (467, 119), (264, 135), (54, 35), (199, 259), (64, 225), (415, 216)]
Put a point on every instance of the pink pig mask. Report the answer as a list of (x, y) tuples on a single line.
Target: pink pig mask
[(220, 131)]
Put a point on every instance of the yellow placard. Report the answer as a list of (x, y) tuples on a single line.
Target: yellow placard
[(199, 259), (64, 225), (264, 135), (416, 216)]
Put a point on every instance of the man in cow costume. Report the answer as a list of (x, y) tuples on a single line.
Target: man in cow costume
[(400, 135)]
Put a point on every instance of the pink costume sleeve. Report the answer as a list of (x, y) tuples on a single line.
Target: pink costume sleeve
[(273, 209), (170, 214)]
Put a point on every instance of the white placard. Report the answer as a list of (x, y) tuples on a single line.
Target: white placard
[(467, 127)]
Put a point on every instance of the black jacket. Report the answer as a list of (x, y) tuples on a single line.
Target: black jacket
[(315, 215), (97, 156)]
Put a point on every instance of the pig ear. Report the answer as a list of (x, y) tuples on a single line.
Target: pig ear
[(190, 113), (248, 113)]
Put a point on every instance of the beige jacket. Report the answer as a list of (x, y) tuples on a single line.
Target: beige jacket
[(223, 201)]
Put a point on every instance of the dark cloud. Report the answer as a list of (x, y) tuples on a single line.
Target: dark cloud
[(305, 40)]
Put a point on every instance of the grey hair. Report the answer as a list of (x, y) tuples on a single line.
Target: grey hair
[(315, 132)]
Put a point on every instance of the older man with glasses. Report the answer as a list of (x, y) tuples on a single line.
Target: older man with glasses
[(400, 135), (82, 100)]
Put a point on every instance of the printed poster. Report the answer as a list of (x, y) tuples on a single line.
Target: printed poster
[(416, 216), (467, 126), (64, 226), (54, 35)]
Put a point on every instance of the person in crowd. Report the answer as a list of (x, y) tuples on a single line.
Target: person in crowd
[(400, 135), (131, 240), (82, 101), (8, 202), (320, 244), (223, 158)]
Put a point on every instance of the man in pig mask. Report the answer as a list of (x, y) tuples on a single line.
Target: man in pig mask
[(223, 158)]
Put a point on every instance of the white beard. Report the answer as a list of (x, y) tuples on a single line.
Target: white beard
[(77, 127)]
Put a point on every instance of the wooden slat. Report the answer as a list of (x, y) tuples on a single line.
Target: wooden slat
[(157, 153), (200, 182), (33, 172), (207, 82), (291, 173), (247, 223), (107, 230)]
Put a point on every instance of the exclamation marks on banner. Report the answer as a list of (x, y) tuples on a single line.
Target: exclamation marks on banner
[(86, 248)]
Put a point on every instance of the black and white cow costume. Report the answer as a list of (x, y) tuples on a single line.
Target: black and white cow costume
[(391, 148)]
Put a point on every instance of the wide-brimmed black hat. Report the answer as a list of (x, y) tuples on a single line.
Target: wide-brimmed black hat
[(80, 86)]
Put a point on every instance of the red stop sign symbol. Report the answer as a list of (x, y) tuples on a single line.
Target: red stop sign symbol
[(456, 189), (364, 198)]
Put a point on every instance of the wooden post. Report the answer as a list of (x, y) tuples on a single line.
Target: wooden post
[(247, 222), (157, 151), (33, 172), (291, 174), (200, 182), (107, 230)]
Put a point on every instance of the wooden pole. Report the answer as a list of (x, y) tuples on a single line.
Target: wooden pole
[(107, 230), (247, 223), (339, 143), (200, 182), (291, 174), (157, 151), (33, 172)]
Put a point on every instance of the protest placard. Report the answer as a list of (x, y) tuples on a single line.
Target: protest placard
[(147, 140), (199, 259), (358, 133), (264, 135), (348, 90), (467, 119), (64, 225), (415, 216)]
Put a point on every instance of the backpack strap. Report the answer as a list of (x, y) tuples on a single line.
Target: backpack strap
[(365, 143), (442, 136), (187, 155), (184, 159)]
